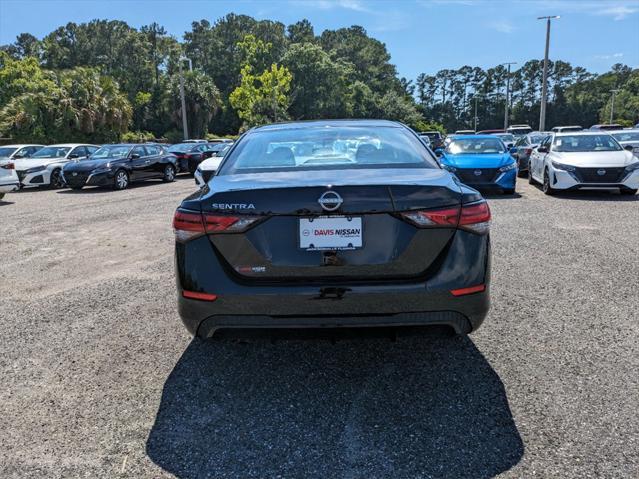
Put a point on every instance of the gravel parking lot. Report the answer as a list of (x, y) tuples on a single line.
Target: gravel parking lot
[(98, 378)]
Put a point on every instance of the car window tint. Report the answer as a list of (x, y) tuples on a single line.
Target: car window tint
[(80, 151), (138, 150), (152, 150)]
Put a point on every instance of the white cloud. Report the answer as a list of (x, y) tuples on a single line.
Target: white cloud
[(619, 12), (356, 5), (617, 9), (503, 26), (609, 57)]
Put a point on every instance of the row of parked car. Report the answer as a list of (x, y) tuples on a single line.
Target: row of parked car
[(76, 165), (565, 158)]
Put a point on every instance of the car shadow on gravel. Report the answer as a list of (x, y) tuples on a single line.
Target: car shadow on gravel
[(426, 406), (595, 196), (108, 189)]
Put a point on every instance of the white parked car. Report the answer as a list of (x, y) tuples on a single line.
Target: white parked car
[(8, 177), (206, 169), (15, 152), (584, 160), (44, 167), (628, 138)]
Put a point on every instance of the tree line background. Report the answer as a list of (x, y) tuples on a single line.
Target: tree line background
[(105, 81)]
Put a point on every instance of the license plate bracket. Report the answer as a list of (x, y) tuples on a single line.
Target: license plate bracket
[(330, 233)]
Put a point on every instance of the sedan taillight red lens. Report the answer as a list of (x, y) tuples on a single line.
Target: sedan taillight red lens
[(8, 166), (189, 225), (474, 217)]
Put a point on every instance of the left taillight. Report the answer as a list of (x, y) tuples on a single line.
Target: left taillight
[(474, 217), (188, 225), (8, 166)]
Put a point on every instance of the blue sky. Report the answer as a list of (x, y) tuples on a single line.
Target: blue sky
[(421, 35)]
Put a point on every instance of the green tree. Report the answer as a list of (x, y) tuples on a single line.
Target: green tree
[(78, 104), (319, 85), (202, 101), (260, 98), (301, 32)]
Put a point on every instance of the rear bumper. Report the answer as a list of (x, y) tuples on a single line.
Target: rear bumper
[(462, 314), (9, 187), (334, 304)]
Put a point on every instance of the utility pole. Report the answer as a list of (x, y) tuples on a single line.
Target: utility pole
[(476, 98), (544, 85), (185, 127), (507, 93), (612, 105)]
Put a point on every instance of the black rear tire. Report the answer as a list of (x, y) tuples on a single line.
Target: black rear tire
[(169, 174), (509, 191)]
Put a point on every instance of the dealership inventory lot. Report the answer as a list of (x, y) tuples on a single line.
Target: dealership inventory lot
[(99, 378)]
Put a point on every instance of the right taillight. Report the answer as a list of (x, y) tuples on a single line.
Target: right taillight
[(188, 225), (472, 217), (8, 166), (475, 217)]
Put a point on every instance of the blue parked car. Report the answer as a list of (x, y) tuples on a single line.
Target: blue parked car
[(480, 161)]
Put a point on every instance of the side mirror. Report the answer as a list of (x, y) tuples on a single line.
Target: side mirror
[(513, 151), (629, 148), (542, 149), (134, 156), (74, 156), (439, 152)]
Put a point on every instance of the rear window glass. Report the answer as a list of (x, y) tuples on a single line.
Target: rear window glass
[(182, 147), (627, 136), (327, 147)]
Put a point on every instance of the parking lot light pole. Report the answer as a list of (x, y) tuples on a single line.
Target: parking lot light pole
[(185, 127), (476, 98), (612, 104), (544, 83), (507, 93)]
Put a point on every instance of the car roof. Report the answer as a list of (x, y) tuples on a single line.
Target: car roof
[(20, 146), (581, 133), (480, 136), (71, 145), (328, 123)]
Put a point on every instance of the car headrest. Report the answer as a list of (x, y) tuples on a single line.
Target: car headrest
[(280, 156)]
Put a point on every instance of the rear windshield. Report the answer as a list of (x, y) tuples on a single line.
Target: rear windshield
[(6, 151), (575, 143), (625, 136), (327, 147), (506, 137), (462, 146), (182, 147)]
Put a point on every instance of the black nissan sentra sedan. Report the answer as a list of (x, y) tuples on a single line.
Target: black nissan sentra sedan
[(118, 165), (332, 224)]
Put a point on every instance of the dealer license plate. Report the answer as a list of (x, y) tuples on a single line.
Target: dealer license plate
[(330, 233)]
